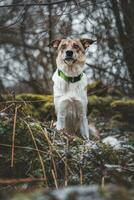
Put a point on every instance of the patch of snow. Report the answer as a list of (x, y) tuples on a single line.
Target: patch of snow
[(91, 144), (113, 142), (82, 193), (3, 114), (128, 146), (117, 167)]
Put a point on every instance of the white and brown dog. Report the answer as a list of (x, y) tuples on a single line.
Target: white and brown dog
[(70, 95)]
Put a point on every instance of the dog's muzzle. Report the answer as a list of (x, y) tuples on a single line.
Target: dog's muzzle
[(69, 57)]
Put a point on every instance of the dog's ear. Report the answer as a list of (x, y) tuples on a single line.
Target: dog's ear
[(87, 42), (55, 43)]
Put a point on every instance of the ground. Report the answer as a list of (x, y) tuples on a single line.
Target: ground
[(34, 154)]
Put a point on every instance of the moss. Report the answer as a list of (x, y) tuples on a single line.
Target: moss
[(34, 98), (122, 125), (115, 192), (96, 87), (114, 91), (124, 107), (61, 148), (117, 117), (73, 150), (22, 138), (102, 104), (108, 192), (37, 106), (94, 113), (34, 195), (101, 89)]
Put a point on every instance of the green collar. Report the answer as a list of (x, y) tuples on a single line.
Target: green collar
[(69, 78)]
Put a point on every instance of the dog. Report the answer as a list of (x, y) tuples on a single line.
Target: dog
[(70, 94)]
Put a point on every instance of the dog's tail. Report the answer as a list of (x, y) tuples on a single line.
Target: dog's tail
[(93, 131)]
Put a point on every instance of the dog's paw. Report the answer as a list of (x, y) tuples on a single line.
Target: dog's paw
[(91, 144), (60, 129)]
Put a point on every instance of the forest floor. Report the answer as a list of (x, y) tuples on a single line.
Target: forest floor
[(34, 155)]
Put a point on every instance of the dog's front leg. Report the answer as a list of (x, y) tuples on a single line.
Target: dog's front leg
[(84, 130), (60, 125)]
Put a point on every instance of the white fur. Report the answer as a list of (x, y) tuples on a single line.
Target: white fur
[(70, 101)]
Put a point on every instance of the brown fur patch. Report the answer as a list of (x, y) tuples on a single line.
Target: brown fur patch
[(69, 44)]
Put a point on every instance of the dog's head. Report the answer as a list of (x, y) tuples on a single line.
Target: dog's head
[(71, 52)]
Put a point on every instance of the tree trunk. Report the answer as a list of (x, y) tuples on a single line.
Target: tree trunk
[(125, 29)]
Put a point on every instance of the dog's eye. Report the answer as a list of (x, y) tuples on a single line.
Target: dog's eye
[(63, 46), (76, 46)]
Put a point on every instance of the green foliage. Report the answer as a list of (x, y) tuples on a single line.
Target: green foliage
[(57, 151), (109, 192), (102, 104), (25, 157), (95, 86), (125, 107), (37, 106), (100, 89), (39, 148)]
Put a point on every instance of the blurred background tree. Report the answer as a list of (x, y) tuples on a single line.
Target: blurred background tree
[(27, 62)]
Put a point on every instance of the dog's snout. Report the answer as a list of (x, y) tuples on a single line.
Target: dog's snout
[(69, 53)]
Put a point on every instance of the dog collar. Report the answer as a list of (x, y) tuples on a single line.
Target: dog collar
[(69, 78)]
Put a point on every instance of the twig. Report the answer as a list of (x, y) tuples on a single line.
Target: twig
[(66, 164), (50, 148), (13, 136), (51, 152), (5, 102), (40, 158), (55, 181), (54, 166), (66, 173), (6, 108), (33, 4), (110, 73), (103, 183), (22, 147), (81, 176), (45, 4), (48, 140), (21, 180)]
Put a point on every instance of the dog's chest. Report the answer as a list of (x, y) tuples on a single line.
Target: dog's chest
[(64, 88), (70, 87)]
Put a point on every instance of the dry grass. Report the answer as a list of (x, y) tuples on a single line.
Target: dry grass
[(33, 151)]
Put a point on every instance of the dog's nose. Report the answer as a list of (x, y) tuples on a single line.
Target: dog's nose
[(69, 53)]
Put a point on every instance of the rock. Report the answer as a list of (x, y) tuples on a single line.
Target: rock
[(124, 107), (37, 106), (97, 87), (100, 89), (38, 146), (101, 104), (113, 142), (94, 192)]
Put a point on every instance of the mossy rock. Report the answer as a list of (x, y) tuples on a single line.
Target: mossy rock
[(100, 89), (37, 106), (96, 87), (96, 192), (22, 139), (56, 149), (102, 104), (125, 107), (117, 117)]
